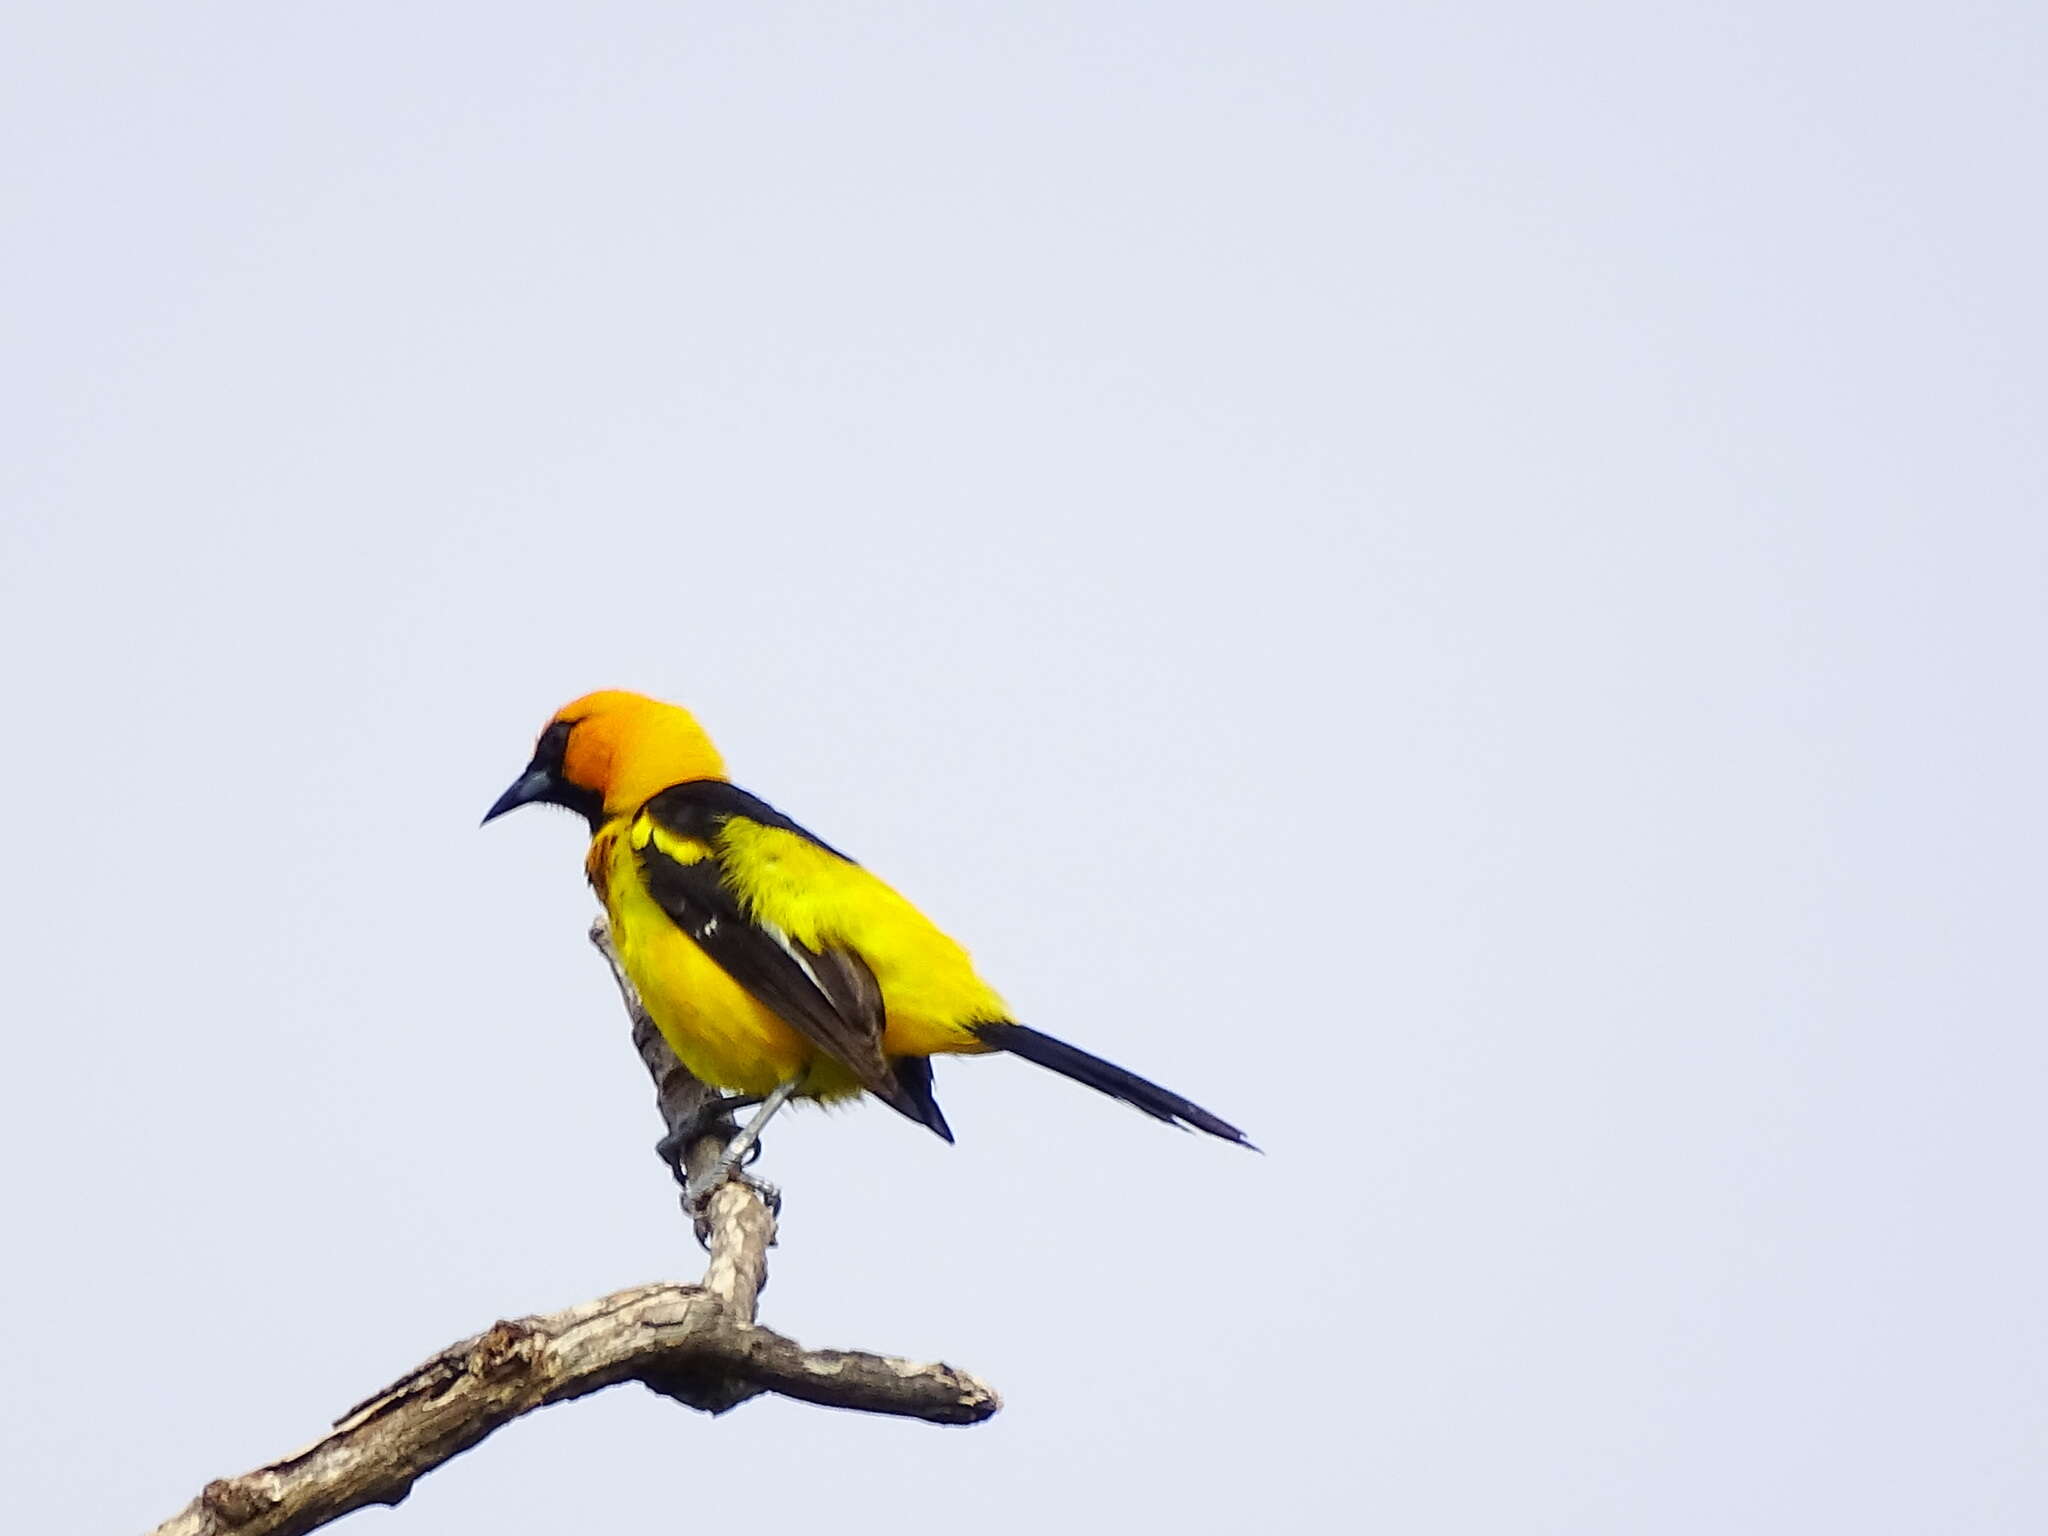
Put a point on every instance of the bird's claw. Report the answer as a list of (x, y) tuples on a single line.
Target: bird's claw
[(698, 1194), (714, 1117)]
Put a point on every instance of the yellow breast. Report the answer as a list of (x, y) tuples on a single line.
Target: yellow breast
[(710, 1021)]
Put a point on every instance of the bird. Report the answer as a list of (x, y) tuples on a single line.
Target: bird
[(775, 966)]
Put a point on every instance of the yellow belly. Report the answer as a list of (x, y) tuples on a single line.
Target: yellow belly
[(714, 1025)]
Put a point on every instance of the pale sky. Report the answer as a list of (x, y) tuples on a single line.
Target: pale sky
[(1463, 585)]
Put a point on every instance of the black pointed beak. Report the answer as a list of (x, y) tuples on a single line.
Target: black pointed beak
[(534, 784)]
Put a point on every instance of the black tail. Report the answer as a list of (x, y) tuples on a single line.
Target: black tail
[(1104, 1077)]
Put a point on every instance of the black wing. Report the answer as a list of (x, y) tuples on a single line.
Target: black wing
[(828, 996)]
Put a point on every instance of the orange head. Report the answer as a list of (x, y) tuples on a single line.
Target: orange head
[(608, 753)]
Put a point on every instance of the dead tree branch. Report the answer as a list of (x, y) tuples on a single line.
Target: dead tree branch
[(697, 1344)]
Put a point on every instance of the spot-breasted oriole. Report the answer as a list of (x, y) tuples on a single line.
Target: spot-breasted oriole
[(773, 964)]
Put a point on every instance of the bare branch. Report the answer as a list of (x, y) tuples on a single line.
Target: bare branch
[(737, 1226), (676, 1339), (697, 1344)]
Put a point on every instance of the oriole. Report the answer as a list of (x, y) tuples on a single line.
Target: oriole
[(773, 964)]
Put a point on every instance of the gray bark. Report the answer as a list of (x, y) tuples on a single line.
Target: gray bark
[(697, 1344)]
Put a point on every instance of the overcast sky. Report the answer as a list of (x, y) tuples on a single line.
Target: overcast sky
[(1462, 584)]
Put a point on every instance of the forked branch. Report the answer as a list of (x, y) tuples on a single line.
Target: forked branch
[(697, 1344)]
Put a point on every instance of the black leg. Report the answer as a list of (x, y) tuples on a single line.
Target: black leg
[(713, 1116), (739, 1151)]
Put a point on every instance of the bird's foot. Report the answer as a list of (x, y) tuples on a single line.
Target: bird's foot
[(741, 1150), (714, 1117), (698, 1194)]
